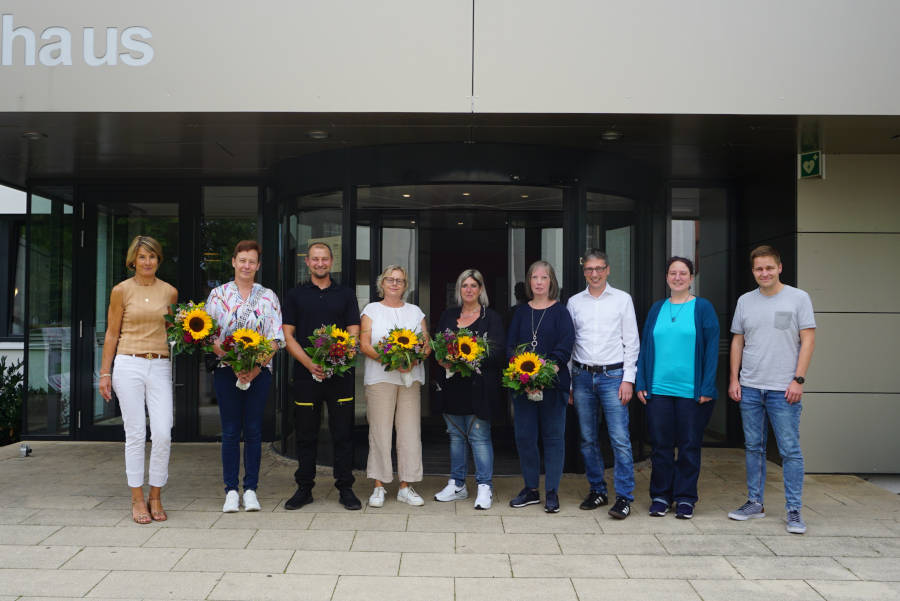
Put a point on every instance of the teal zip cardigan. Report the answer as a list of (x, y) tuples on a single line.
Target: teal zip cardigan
[(706, 350)]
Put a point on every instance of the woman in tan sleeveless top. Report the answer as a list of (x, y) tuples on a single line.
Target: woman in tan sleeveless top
[(136, 338)]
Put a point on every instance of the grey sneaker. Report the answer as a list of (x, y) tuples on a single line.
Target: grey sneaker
[(748, 511), (795, 523)]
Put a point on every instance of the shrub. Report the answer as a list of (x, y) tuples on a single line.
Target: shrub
[(11, 389)]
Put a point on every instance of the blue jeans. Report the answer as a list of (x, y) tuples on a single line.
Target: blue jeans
[(755, 405), (548, 416), (241, 410), (465, 430), (676, 423), (593, 392)]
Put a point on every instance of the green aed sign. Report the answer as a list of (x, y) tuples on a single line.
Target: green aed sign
[(810, 165)]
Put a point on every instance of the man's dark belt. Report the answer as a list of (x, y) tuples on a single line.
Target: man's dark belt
[(598, 369)]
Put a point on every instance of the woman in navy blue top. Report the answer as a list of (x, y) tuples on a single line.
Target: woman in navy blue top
[(676, 380), (546, 326)]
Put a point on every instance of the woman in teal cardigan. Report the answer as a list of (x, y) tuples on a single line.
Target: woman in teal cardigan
[(676, 380)]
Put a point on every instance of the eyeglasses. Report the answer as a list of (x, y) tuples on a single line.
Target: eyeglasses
[(596, 269), (392, 281)]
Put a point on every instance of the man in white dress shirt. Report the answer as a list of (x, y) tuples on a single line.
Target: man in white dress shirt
[(604, 365)]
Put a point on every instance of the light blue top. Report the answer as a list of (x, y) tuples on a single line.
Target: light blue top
[(674, 336)]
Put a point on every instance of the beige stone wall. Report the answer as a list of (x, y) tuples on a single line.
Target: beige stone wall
[(848, 246)]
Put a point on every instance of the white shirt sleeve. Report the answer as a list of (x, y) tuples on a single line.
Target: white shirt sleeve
[(631, 342)]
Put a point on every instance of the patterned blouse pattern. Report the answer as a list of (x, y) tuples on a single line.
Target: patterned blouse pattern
[(224, 305)]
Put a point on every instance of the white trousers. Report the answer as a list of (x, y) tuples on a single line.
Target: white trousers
[(137, 382)]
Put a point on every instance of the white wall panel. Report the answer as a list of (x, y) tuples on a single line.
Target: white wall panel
[(850, 433), (691, 56), (214, 55)]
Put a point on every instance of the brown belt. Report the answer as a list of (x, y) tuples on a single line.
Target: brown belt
[(147, 356)]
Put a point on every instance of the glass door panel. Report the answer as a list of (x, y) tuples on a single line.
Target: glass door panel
[(610, 228), (49, 381), (117, 224), (230, 214)]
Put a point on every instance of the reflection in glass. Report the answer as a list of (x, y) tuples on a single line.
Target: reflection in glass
[(610, 227), (50, 317), (229, 216), (17, 294), (117, 226)]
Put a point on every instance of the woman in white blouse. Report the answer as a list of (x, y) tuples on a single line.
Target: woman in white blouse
[(389, 400)]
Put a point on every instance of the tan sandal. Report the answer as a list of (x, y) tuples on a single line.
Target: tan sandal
[(158, 515), (140, 517)]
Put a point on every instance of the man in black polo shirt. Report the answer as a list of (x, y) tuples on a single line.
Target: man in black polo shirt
[(308, 306)]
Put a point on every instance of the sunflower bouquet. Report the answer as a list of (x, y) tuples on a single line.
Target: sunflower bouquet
[(462, 350), (400, 349), (244, 350), (333, 349), (189, 327), (529, 372)]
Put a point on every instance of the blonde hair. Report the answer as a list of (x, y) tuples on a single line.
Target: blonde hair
[(479, 279), (387, 271), (145, 242)]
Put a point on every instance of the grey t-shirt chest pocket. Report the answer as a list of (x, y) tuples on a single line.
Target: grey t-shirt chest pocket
[(783, 320)]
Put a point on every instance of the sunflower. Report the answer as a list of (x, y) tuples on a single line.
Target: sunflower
[(248, 337), (527, 363), (340, 335), (469, 349), (197, 323), (404, 338)]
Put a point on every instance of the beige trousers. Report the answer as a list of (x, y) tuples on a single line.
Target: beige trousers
[(390, 406)]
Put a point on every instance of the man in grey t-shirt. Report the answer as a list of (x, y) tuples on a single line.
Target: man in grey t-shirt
[(774, 335)]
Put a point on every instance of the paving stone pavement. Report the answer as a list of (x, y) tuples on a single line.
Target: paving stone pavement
[(66, 532)]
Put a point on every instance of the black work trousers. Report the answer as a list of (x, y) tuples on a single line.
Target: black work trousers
[(309, 397)]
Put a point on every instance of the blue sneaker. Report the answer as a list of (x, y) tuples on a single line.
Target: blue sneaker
[(659, 508), (795, 523), (748, 511), (552, 503), (684, 511), (526, 497)]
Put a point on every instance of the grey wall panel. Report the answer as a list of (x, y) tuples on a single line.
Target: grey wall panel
[(850, 272), (860, 193), (850, 433), (855, 353)]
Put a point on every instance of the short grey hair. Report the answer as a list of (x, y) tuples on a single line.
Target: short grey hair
[(387, 271), (594, 253), (479, 279)]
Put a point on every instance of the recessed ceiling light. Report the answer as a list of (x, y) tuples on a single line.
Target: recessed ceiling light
[(34, 135), (412, 221), (611, 135), (459, 223), (407, 195), (524, 196), (317, 134), (467, 194)]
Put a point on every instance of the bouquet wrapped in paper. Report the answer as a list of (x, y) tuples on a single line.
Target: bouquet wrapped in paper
[(332, 349), (189, 328), (462, 350), (401, 349), (244, 350), (529, 372)]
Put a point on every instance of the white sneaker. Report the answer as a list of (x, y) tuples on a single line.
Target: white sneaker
[(408, 495), (232, 502), (377, 497), (485, 497), (251, 503), (452, 492)]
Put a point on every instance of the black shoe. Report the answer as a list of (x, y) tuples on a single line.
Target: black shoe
[(552, 503), (621, 509), (526, 497), (349, 500), (302, 497), (594, 500)]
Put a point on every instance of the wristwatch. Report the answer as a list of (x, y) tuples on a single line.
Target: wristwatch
[(799, 379)]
